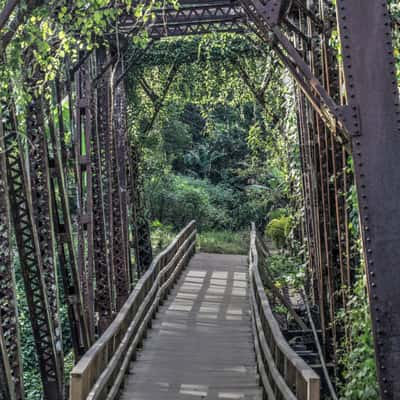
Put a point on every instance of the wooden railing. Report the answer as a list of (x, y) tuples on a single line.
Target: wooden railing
[(100, 373), (283, 373)]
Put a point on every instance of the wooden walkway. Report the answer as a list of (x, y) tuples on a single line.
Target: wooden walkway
[(201, 344)]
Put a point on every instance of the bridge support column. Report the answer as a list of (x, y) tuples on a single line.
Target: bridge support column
[(104, 303), (141, 234), (374, 120), (11, 386), (119, 254)]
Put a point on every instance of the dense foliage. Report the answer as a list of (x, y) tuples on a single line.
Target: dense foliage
[(214, 149)]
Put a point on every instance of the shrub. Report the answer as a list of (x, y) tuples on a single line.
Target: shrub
[(175, 200), (278, 230), (357, 357)]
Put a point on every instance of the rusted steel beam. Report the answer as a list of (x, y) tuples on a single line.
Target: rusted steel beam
[(83, 165), (158, 32), (315, 58), (310, 163), (10, 352), (314, 68), (7, 391), (119, 254), (46, 339), (373, 98), (190, 12), (141, 228), (39, 187), (314, 182), (64, 238), (103, 293), (192, 18)]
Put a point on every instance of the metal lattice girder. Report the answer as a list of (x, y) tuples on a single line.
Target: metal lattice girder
[(323, 174), (324, 179), (31, 261), (141, 228), (7, 391), (100, 156), (119, 253), (64, 238), (373, 101), (39, 185), (10, 353), (159, 31), (192, 17), (83, 162)]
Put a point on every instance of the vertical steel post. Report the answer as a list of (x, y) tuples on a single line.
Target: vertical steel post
[(27, 226), (64, 239), (10, 352), (83, 132), (141, 236), (39, 192), (119, 205), (374, 118), (100, 153)]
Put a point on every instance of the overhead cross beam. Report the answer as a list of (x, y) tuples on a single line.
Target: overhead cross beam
[(192, 17)]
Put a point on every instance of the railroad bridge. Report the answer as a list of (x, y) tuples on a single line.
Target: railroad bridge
[(215, 335)]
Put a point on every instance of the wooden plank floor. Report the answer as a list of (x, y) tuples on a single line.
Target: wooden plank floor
[(201, 345)]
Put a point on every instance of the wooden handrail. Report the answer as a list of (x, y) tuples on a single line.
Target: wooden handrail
[(284, 374), (99, 373)]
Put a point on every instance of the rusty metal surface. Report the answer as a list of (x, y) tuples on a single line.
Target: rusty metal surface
[(119, 256), (103, 293), (192, 18), (371, 85), (10, 352), (39, 192), (141, 229), (64, 235), (31, 261), (82, 143)]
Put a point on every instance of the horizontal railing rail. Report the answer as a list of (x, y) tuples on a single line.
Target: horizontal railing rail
[(100, 373), (283, 373)]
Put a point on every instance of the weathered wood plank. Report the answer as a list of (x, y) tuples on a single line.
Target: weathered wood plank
[(201, 344)]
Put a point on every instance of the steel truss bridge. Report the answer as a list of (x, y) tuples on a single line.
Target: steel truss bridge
[(344, 109)]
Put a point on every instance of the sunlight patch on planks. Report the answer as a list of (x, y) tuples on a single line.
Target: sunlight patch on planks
[(201, 344)]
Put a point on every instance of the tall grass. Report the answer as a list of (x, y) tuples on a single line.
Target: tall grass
[(224, 242)]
